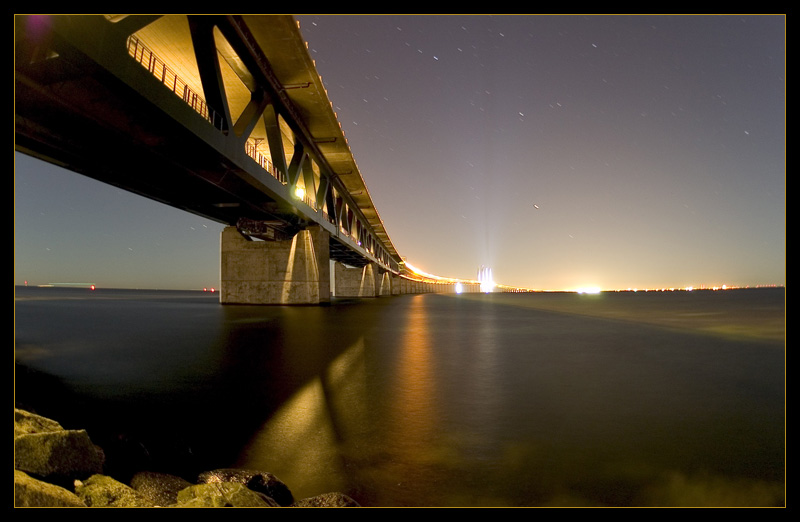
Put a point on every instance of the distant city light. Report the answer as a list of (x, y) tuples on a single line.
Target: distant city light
[(485, 279), (90, 286), (459, 288), (588, 290), (689, 288)]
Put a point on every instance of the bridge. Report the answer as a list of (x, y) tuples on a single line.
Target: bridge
[(225, 117)]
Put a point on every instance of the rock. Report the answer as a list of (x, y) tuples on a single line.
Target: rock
[(260, 481), (26, 422), (334, 499), (57, 455), (43, 448), (103, 491), (160, 488), (223, 494), (29, 492)]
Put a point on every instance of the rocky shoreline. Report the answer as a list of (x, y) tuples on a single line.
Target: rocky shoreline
[(57, 467)]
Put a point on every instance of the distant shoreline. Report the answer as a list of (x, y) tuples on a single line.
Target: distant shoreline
[(211, 291)]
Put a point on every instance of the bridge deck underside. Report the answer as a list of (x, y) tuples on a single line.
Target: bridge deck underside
[(104, 129), (118, 125), (344, 254)]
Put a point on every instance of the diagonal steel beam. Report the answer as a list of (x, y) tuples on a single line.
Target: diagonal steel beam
[(205, 49)]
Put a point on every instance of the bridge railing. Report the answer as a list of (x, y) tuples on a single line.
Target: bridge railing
[(172, 81), (251, 149)]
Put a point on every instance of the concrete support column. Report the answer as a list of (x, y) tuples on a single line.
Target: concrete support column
[(295, 271), (356, 282), (385, 286), (396, 282)]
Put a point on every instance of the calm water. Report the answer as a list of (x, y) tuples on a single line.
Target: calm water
[(429, 400)]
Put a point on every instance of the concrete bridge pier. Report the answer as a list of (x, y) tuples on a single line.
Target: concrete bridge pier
[(396, 284), (295, 271), (357, 282), (385, 283)]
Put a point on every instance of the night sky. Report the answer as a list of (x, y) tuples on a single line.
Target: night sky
[(561, 151)]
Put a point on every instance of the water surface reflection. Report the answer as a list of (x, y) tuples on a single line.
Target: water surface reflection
[(437, 400)]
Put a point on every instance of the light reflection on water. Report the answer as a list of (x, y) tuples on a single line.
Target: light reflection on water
[(448, 400)]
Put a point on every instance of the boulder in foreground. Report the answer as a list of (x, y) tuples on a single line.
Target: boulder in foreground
[(103, 491), (30, 492), (223, 494), (260, 481), (44, 449)]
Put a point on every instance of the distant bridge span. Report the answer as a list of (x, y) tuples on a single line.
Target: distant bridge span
[(222, 116)]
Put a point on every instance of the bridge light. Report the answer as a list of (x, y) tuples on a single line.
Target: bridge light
[(300, 193)]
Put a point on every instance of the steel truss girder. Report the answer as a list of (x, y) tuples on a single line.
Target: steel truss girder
[(259, 76), (268, 102)]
